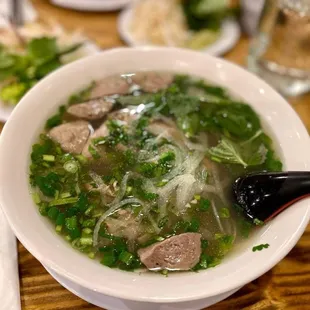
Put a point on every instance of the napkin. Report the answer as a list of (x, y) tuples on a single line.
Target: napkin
[(9, 279), (29, 12)]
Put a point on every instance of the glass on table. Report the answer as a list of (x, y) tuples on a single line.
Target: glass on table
[(280, 52)]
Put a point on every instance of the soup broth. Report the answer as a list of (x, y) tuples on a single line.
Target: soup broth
[(136, 170)]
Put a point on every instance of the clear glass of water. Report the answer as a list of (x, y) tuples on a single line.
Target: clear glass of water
[(280, 52)]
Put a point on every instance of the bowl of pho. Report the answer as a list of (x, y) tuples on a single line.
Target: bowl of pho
[(117, 170)]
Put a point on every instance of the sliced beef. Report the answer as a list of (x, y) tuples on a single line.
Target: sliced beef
[(72, 136), (167, 130), (152, 81), (102, 131), (91, 110), (110, 86), (124, 225), (124, 116), (181, 252)]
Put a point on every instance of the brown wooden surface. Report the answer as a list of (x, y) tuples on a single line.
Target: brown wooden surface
[(286, 286)]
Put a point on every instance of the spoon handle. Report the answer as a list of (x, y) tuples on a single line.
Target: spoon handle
[(264, 195)]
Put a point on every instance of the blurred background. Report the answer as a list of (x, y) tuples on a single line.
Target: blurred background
[(268, 37)]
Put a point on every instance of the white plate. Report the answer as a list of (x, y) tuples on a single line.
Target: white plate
[(89, 48), (230, 34), (111, 303), (92, 5)]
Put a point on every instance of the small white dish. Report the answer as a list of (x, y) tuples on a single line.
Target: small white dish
[(112, 303), (38, 236), (92, 5), (88, 49), (229, 36)]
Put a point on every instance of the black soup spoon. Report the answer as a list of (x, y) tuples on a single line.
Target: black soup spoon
[(262, 196)]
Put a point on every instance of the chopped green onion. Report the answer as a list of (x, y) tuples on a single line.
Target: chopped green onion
[(194, 225), (56, 194), (165, 272), (87, 231), (86, 241), (167, 156), (71, 222), (91, 255), (258, 222), (204, 204), (126, 257), (128, 190), (260, 247), (218, 236), (53, 213), (162, 183), (224, 213), (43, 209), (197, 197), (204, 244), (68, 238), (58, 228), (98, 141), (63, 201), (71, 166), (77, 189), (60, 220), (49, 158), (203, 261), (93, 152), (159, 238), (75, 233), (36, 198), (108, 259), (82, 159), (65, 195)]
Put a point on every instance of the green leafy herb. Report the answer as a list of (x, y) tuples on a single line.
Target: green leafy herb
[(260, 247), (48, 184), (42, 49), (204, 204), (22, 71), (229, 152)]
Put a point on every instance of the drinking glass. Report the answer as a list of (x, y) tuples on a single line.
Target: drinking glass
[(280, 51)]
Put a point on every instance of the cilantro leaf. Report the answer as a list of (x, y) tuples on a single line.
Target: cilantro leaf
[(260, 247), (6, 60), (42, 49)]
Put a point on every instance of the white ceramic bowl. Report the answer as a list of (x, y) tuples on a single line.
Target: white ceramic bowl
[(39, 237)]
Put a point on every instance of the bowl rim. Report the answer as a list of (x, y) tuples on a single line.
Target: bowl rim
[(245, 277)]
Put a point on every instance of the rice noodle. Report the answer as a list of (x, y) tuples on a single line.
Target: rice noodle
[(121, 191), (216, 215), (185, 185), (109, 212), (185, 191)]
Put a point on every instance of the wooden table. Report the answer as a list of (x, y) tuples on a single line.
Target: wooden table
[(286, 286)]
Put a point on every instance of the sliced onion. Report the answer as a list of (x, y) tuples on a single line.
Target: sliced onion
[(217, 217), (202, 144), (121, 192), (185, 192), (96, 178)]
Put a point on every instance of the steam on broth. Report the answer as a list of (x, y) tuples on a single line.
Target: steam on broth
[(136, 170)]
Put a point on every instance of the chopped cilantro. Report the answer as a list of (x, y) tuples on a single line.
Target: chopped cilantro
[(260, 247)]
